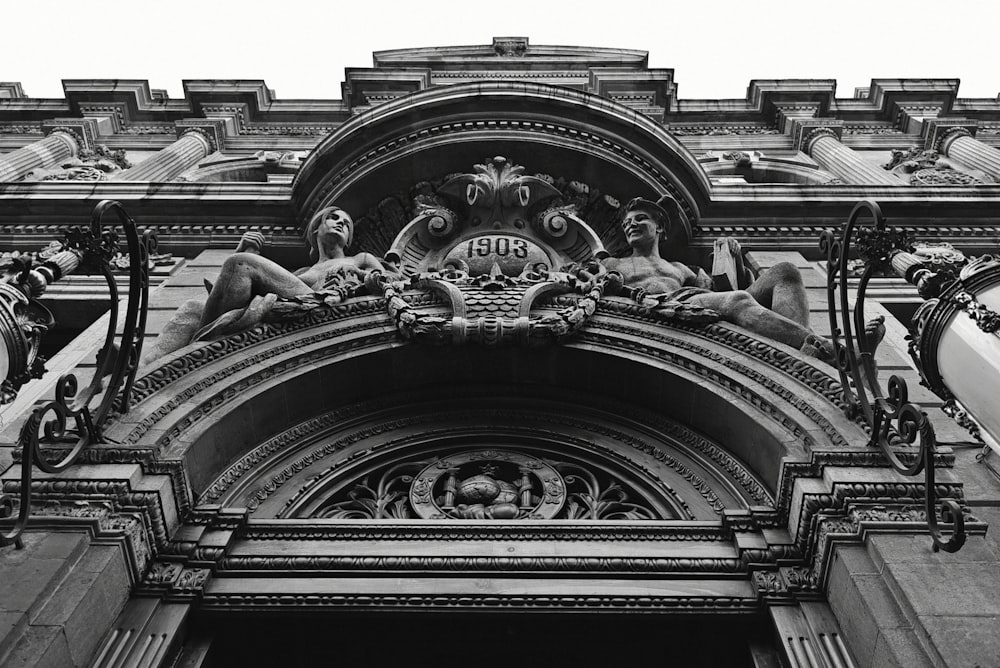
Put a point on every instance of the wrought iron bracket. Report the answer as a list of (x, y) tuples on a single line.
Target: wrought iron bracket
[(894, 421), (81, 417)]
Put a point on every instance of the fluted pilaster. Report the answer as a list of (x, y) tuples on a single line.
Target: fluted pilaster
[(180, 156), (959, 145), (823, 146), (58, 146)]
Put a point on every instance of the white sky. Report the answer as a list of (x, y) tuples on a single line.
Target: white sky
[(301, 48)]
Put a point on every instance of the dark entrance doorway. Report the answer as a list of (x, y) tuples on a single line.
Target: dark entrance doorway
[(487, 640)]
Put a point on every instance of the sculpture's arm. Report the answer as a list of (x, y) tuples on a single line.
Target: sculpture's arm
[(367, 261), (251, 242)]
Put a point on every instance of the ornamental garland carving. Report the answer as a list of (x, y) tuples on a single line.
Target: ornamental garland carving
[(492, 309), (721, 130)]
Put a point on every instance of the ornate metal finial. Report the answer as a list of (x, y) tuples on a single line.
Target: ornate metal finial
[(894, 421)]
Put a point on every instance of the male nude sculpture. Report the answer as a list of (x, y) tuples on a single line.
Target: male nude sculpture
[(774, 306)]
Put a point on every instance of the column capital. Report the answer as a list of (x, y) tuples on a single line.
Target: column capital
[(213, 130), (807, 131), (938, 133), (83, 130)]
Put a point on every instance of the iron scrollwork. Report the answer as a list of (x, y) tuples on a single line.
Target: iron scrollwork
[(894, 420), (70, 415)]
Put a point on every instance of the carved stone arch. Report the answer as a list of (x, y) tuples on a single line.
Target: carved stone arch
[(633, 463), (205, 407), (715, 446), (565, 132)]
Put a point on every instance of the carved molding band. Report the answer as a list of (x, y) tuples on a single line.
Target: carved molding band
[(649, 603)]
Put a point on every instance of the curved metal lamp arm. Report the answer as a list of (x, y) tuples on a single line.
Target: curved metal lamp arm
[(893, 419), (71, 416)]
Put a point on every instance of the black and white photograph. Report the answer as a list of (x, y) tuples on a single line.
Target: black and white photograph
[(499, 334)]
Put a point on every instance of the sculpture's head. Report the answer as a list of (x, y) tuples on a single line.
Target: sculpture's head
[(331, 226), (648, 221)]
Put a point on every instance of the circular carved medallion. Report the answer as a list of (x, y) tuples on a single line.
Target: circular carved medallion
[(488, 484)]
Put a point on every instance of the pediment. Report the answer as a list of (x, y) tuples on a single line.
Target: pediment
[(424, 137)]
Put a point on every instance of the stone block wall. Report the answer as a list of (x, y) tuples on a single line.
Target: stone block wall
[(57, 597)]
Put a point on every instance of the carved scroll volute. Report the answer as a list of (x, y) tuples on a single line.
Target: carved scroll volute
[(431, 229), (564, 231), (498, 194)]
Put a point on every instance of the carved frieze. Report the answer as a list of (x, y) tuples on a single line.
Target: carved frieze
[(871, 129), (722, 130), (20, 129)]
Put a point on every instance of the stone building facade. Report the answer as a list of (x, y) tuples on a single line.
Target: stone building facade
[(403, 471)]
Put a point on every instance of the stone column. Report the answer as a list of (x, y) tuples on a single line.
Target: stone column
[(60, 144), (823, 145), (192, 146), (958, 144)]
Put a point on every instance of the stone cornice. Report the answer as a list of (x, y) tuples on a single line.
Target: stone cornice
[(648, 602), (127, 530), (32, 214), (136, 108), (113, 499), (137, 112), (538, 55)]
